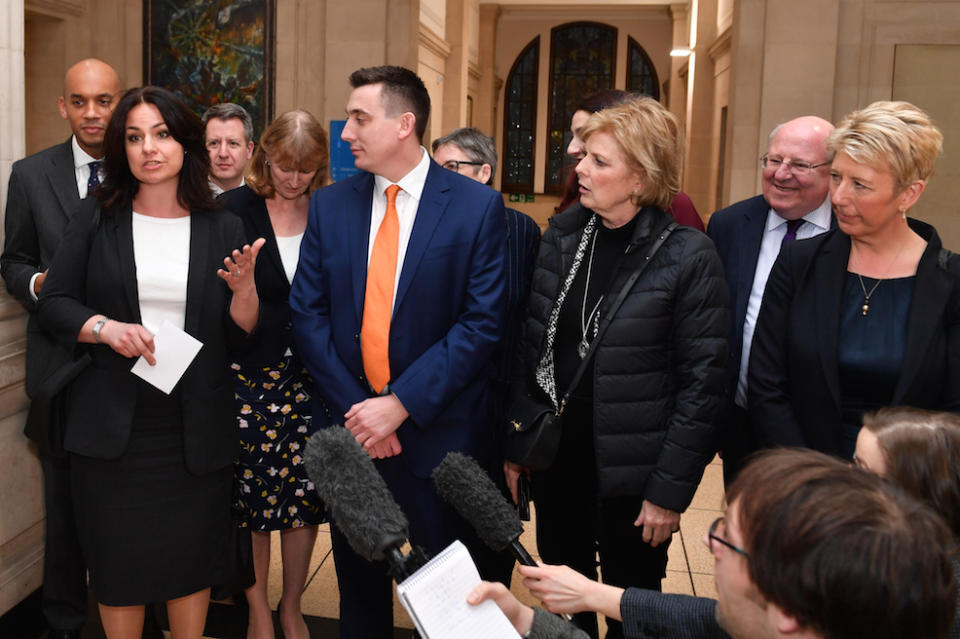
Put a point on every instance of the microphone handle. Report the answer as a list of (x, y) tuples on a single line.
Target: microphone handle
[(525, 559)]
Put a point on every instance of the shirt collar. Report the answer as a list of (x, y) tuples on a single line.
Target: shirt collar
[(80, 157), (819, 217), (412, 183)]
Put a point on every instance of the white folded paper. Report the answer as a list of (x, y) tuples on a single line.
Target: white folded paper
[(174, 349)]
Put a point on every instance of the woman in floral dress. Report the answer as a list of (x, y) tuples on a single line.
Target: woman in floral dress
[(273, 388)]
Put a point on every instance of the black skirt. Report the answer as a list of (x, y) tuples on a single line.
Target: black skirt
[(151, 530)]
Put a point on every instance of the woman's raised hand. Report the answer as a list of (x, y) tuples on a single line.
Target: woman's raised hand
[(239, 266)]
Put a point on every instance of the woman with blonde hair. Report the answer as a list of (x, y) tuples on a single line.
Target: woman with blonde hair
[(273, 388), (626, 331), (868, 314)]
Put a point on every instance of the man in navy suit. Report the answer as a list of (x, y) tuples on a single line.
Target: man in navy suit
[(45, 191), (748, 235), (448, 302)]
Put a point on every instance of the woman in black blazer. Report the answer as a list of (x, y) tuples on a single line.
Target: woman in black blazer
[(866, 315), (273, 387), (151, 471)]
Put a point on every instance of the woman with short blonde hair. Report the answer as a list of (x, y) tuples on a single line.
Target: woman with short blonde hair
[(867, 314), (637, 428)]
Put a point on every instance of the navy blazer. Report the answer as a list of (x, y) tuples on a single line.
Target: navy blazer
[(794, 386), (94, 271), (447, 317)]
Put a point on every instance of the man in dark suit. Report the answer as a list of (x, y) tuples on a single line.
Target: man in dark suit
[(748, 234), (397, 309), (45, 190)]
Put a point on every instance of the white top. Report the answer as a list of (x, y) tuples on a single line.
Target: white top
[(815, 222), (161, 250), (81, 166), (289, 253), (408, 201)]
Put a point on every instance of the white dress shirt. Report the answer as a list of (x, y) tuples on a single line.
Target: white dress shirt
[(815, 222), (408, 201)]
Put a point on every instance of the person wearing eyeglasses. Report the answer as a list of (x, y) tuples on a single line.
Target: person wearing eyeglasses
[(809, 547), (868, 314), (795, 204), (471, 153)]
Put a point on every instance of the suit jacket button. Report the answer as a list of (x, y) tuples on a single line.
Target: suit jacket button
[(356, 337)]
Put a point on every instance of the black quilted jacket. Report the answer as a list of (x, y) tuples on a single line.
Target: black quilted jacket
[(659, 369)]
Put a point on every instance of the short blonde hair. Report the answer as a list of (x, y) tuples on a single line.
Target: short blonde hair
[(650, 139), (296, 140), (894, 135)]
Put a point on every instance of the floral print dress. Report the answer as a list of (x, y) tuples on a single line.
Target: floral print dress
[(274, 421)]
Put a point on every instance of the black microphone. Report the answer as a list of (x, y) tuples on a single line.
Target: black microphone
[(461, 482), (359, 501)]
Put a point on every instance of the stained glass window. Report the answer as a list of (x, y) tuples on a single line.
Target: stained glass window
[(520, 120), (582, 61), (641, 76)]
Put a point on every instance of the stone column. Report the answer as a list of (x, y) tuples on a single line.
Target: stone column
[(484, 111), (456, 78), (21, 520)]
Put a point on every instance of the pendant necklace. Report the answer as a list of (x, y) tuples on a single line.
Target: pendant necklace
[(866, 295), (586, 321)]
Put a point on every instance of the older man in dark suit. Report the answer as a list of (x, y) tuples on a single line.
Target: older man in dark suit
[(45, 190), (748, 235)]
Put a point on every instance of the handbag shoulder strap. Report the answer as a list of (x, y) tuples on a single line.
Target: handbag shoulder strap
[(627, 287)]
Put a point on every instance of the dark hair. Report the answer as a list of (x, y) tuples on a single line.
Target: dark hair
[(295, 139), (403, 91), (844, 552), (230, 111), (921, 449), (476, 145), (120, 186), (593, 103)]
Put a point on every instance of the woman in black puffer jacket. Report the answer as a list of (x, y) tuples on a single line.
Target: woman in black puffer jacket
[(637, 431)]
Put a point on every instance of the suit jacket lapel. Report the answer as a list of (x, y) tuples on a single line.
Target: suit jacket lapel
[(433, 202), (931, 290), (264, 229), (828, 269), (754, 225), (356, 213), (197, 271), (123, 223), (62, 177)]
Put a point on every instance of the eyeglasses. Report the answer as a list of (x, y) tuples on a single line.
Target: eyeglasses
[(454, 165), (712, 536), (795, 167)]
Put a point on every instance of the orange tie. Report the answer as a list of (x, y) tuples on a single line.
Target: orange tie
[(378, 300)]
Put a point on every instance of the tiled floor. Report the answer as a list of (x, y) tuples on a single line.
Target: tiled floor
[(689, 571)]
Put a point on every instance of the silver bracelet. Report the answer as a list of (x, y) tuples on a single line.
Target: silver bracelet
[(97, 328)]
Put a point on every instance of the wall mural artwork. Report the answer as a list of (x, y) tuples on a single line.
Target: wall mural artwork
[(212, 51)]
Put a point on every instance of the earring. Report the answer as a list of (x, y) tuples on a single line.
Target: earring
[(903, 213)]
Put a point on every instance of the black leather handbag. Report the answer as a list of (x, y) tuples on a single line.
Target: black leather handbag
[(533, 438)]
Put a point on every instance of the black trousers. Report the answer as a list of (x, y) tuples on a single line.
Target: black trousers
[(64, 597), (575, 525), (737, 443)]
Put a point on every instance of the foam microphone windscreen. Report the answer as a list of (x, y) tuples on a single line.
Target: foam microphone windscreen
[(359, 501), (468, 488)]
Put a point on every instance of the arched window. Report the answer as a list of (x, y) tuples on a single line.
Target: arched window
[(641, 76), (520, 121), (583, 57)]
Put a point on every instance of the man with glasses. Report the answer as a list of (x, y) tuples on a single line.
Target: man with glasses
[(469, 152), (795, 204), (810, 547)]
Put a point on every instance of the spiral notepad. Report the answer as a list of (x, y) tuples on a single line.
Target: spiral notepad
[(436, 598)]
